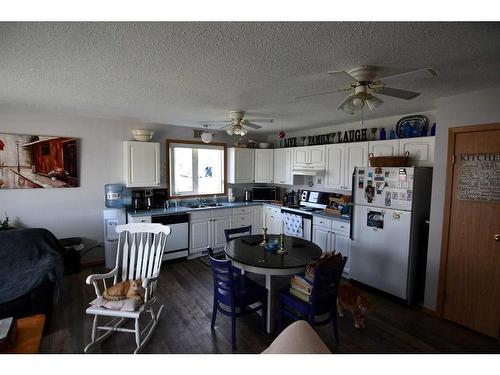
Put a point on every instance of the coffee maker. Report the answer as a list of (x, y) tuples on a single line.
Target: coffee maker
[(138, 200)]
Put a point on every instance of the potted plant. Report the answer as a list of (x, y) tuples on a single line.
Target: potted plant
[(4, 224), (57, 173)]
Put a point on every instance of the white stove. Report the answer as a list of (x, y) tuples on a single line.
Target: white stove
[(310, 201)]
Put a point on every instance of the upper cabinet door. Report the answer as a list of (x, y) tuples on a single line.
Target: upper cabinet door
[(264, 166), (335, 155), (278, 166), (300, 157), (142, 164), (317, 156), (421, 150), (356, 155), (240, 165), (388, 147), (287, 166)]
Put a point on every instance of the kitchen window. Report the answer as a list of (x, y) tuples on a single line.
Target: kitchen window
[(196, 169)]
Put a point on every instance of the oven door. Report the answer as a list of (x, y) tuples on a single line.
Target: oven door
[(290, 219)]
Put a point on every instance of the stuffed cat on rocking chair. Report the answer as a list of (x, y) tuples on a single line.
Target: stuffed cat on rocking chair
[(352, 299)]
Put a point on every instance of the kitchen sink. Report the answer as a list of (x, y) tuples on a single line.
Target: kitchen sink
[(206, 205)]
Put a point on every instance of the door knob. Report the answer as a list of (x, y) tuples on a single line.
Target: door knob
[(497, 237)]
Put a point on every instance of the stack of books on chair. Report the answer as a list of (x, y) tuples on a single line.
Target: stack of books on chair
[(301, 287)]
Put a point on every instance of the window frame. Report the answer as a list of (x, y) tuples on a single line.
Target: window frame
[(168, 143)]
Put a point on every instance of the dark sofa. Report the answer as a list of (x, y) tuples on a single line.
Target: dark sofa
[(31, 266)]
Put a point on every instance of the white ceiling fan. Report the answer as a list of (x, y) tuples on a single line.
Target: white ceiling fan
[(237, 124), (366, 83)]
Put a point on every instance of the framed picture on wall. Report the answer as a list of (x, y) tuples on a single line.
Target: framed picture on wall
[(38, 161)]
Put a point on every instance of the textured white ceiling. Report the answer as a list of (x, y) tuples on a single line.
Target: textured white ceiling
[(185, 73)]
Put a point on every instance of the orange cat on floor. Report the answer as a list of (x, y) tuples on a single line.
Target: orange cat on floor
[(352, 299), (131, 289)]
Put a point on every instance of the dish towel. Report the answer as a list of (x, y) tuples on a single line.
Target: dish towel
[(292, 224)]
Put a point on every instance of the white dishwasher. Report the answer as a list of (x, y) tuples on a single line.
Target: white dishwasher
[(178, 240)]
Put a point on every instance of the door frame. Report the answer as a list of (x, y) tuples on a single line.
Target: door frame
[(452, 133)]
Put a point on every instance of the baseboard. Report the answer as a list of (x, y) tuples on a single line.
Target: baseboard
[(430, 312)]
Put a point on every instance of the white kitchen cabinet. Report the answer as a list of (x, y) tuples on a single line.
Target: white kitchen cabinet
[(219, 224), (272, 220), (389, 147), (240, 165), (317, 156), (356, 155), (335, 160), (309, 157), (283, 161), (333, 235), (200, 238), (207, 229), (257, 219), (321, 237), (264, 160), (142, 164), (138, 219), (421, 150), (342, 244)]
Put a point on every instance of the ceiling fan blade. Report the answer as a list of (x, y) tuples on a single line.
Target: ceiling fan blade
[(224, 127), (397, 93), (339, 72), (268, 120), (213, 122), (250, 125), (321, 93), (422, 73)]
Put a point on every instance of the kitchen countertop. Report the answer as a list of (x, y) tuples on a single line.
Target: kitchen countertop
[(184, 209)]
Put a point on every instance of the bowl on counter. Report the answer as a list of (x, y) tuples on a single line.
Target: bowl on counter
[(265, 144), (142, 135)]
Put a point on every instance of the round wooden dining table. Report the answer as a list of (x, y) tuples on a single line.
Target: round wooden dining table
[(247, 254)]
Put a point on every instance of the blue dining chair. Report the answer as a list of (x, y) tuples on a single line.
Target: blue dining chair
[(323, 299), (233, 294), (233, 233)]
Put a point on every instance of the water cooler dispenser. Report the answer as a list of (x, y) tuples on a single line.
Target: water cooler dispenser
[(114, 214)]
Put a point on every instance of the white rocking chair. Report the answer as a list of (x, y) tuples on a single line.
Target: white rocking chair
[(139, 256)]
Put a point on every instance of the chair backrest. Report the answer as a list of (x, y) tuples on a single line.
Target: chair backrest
[(233, 233), (140, 250), (222, 274), (325, 286)]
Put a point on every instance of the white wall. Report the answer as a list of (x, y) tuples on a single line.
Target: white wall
[(77, 212), (469, 109)]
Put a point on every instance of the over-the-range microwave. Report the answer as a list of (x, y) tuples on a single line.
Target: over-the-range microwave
[(263, 194)]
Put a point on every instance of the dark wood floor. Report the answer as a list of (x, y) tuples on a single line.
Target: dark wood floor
[(185, 288)]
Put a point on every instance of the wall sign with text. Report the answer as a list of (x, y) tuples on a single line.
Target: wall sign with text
[(479, 177)]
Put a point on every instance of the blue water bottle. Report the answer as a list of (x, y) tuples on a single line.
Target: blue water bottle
[(392, 134), (113, 195), (433, 130), (383, 135)]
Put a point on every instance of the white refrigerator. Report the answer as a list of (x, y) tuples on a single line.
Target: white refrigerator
[(389, 238)]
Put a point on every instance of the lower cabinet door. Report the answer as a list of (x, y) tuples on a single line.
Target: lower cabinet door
[(321, 237), (343, 245), (219, 237), (257, 220), (199, 232)]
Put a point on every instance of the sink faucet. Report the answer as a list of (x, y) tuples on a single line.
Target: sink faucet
[(215, 199)]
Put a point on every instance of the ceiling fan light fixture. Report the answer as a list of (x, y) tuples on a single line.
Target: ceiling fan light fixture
[(229, 130), (373, 102), (206, 137)]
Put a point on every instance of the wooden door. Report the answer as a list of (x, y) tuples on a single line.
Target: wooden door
[(472, 256)]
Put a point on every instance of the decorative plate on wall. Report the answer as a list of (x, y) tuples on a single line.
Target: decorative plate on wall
[(412, 126)]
